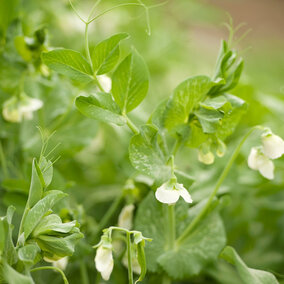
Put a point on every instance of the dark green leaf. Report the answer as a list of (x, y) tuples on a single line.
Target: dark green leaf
[(185, 98), (130, 82), (191, 256)]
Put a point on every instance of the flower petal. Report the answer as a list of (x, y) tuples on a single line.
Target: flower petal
[(184, 194), (169, 196), (273, 146), (266, 168), (253, 158), (104, 261)]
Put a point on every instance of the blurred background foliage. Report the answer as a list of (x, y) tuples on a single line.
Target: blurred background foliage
[(94, 167)]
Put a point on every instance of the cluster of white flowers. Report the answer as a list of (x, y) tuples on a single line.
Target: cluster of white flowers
[(169, 192), (16, 109), (260, 158)]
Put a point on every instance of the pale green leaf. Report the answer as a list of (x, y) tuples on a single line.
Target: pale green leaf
[(36, 189), (35, 214), (14, 277), (248, 275), (29, 253)]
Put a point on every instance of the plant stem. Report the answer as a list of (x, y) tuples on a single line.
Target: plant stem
[(3, 161), (172, 226), (84, 272), (166, 280), (52, 268), (129, 257), (87, 45), (222, 177), (111, 211), (131, 125)]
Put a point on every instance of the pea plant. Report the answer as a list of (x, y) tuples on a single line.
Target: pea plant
[(163, 235)]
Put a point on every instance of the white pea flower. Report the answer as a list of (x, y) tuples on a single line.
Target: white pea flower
[(16, 109), (104, 261), (61, 263), (105, 82), (273, 145), (206, 158), (126, 216), (258, 161), (170, 192)]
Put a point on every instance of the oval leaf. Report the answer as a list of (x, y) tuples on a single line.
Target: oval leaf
[(69, 63), (130, 82), (106, 54), (100, 107)]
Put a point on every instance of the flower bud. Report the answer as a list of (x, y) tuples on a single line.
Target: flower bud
[(104, 261), (126, 216), (258, 161), (273, 146)]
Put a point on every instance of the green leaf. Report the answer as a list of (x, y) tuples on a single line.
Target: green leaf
[(146, 154), (185, 98), (248, 275), (141, 260), (231, 116), (40, 209), (46, 170), (36, 190), (130, 82), (7, 249), (14, 277), (214, 103), (29, 254), (54, 247), (69, 63), (52, 224), (106, 54), (209, 119), (191, 256), (8, 12), (100, 107)]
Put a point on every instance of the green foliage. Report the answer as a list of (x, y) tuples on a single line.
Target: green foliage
[(106, 54), (191, 256), (130, 82), (69, 63), (100, 106), (147, 154), (35, 214), (248, 275), (185, 98)]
